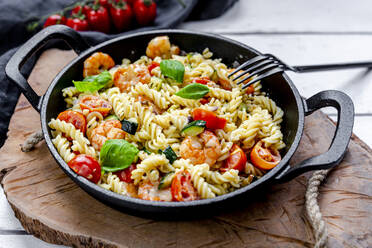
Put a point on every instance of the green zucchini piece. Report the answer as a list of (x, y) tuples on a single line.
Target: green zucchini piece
[(129, 126), (166, 180), (194, 128), (111, 117), (170, 154)]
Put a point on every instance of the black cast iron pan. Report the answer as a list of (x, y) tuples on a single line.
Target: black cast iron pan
[(279, 87)]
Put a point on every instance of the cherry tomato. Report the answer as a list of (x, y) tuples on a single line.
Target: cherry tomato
[(104, 3), (264, 158), (202, 80), (95, 104), (99, 19), (54, 19), (144, 11), (130, 2), (80, 10), (126, 174), (79, 24), (86, 166), (182, 188), (213, 121), (75, 118), (236, 160), (121, 15), (153, 66)]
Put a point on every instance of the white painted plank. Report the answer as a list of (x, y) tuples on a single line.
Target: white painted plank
[(362, 128), (7, 218), (24, 241), (317, 49), (291, 16)]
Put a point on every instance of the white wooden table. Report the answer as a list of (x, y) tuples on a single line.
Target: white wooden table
[(299, 32)]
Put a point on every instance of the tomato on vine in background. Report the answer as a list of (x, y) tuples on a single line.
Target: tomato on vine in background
[(121, 15), (145, 11), (98, 18), (78, 23), (55, 19)]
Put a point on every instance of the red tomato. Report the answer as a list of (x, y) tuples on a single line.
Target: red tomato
[(181, 188), (126, 174), (250, 89), (104, 3), (54, 19), (75, 118), (121, 15), (99, 19), (264, 158), (95, 103), (80, 10), (130, 2), (213, 121), (79, 24), (201, 80), (236, 160), (152, 66), (86, 166), (145, 11)]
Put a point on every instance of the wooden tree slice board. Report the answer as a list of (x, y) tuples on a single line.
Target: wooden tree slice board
[(51, 207)]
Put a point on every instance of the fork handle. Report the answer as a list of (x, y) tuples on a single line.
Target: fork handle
[(313, 68)]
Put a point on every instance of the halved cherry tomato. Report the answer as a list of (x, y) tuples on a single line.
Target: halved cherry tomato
[(95, 104), (182, 188), (75, 118), (152, 66), (126, 174), (213, 121), (86, 166), (236, 160), (202, 80), (264, 158)]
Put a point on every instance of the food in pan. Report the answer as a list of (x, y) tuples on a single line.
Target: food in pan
[(170, 126)]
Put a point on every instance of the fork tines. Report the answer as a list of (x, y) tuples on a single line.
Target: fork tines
[(257, 68)]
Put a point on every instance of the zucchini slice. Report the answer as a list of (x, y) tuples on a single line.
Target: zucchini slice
[(194, 128), (166, 180), (111, 117), (170, 154), (129, 126)]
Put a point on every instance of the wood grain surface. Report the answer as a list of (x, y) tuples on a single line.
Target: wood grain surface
[(50, 206)]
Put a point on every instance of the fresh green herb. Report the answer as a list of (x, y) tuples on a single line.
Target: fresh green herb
[(93, 83), (194, 128), (193, 91), (170, 154), (129, 126), (172, 69), (117, 154)]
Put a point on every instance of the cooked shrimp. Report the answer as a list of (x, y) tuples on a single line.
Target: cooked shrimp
[(206, 149), (150, 191), (130, 75), (97, 63), (161, 47), (110, 129)]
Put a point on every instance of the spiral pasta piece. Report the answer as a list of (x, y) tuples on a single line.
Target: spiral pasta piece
[(63, 148)]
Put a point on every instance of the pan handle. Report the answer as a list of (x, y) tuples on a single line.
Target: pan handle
[(344, 129), (13, 68)]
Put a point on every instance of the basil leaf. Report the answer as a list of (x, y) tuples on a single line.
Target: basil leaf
[(193, 91), (172, 69), (117, 154), (93, 83)]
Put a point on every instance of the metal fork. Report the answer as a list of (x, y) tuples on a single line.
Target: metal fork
[(263, 66)]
